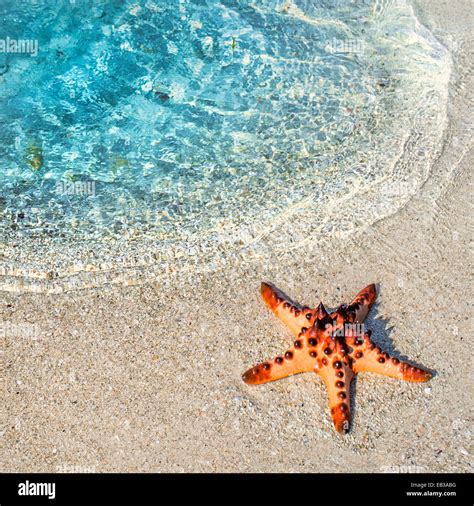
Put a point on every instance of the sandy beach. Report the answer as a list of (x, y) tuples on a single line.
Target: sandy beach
[(148, 378)]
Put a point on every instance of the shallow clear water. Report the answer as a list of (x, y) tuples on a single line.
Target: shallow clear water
[(192, 121)]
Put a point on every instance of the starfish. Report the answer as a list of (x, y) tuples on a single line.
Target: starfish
[(333, 345)]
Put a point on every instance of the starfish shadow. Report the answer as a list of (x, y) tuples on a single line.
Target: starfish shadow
[(381, 330)]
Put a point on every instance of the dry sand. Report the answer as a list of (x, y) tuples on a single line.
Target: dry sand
[(147, 378)]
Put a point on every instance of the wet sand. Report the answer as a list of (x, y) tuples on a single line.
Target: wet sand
[(148, 378)]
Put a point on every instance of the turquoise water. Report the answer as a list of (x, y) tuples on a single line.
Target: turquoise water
[(198, 119)]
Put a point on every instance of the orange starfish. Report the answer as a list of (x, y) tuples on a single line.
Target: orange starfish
[(335, 346)]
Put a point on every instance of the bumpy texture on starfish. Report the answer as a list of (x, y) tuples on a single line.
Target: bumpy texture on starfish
[(335, 346)]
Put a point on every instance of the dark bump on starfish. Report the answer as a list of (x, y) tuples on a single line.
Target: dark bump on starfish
[(341, 395), (343, 406), (303, 330), (337, 364), (381, 360), (297, 313), (297, 343), (288, 355), (327, 351), (339, 384), (395, 360), (278, 360), (340, 374), (312, 341), (321, 311), (324, 361), (319, 324), (286, 305), (359, 354), (309, 316), (350, 317), (278, 300), (266, 366), (342, 310), (313, 354)]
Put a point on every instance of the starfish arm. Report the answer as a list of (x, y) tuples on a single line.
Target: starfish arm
[(367, 357), (338, 383), (294, 361), (362, 303), (289, 312)]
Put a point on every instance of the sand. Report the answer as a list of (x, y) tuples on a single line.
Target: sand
[(148, 378)]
